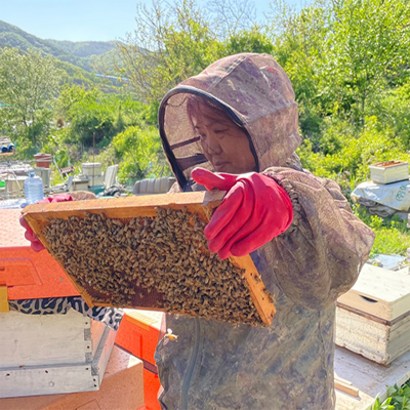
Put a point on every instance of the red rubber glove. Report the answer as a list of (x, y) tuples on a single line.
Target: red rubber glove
[(36, 245), (253, 212)]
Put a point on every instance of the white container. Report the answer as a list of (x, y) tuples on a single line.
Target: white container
[(33, 188), (52, 354), (153, 185), (91, 168), (15, 186), (389, 171)]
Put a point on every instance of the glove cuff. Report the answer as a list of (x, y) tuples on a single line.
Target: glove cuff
[(287, 188)]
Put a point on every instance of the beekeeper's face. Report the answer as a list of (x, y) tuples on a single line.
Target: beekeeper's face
[(223, 143)]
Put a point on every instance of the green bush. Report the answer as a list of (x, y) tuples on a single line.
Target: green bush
[(345, 152), (392, 235), (398, 398), (139, 154)]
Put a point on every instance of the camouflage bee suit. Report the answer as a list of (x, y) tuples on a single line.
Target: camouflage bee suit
[(289, 365)]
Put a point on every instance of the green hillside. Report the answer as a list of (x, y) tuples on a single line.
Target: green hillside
[(94, 56), (83, 48)]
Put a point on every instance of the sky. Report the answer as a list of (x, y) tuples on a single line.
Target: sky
[(82, 20)]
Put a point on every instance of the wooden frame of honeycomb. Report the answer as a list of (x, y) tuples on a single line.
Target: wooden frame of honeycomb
[(149, 252)]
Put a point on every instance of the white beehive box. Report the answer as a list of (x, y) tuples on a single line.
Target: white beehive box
[(50, 354), (80, 184), (389, 171), (91, 168), (373, 318)]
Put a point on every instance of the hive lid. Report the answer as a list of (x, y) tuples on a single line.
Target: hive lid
[(380, 293), (257, 303)]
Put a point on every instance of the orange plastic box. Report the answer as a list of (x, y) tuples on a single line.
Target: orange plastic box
[(138, 334), (28, 274)]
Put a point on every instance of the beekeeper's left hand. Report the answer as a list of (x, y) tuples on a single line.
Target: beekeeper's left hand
[(35, 243)]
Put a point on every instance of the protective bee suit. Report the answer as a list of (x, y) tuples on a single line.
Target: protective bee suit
[(289, 365)]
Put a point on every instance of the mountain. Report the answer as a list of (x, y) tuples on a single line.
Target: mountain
[(93, 56)]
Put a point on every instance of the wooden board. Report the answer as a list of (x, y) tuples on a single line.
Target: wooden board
[(200, 203), (365, 379), (379, 292)]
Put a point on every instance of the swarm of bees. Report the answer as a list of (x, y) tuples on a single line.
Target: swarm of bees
[(160, 263)]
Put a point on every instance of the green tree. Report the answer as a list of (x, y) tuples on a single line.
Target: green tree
[(29, 83), (393, 109), (94, 118), (230, 17), (345, 59), (252, 40), (171, 43), (367, 51), (299, 46)]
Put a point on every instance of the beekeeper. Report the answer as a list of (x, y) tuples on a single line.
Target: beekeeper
[(234, 127)]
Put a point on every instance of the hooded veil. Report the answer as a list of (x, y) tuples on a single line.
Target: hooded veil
[(255, 93)]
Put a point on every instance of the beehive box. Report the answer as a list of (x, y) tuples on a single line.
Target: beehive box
[(150, 252), (122, 389), (389, 171), (373, 318), (50, 354)]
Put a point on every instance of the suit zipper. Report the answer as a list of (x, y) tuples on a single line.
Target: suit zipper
[(192, 364)]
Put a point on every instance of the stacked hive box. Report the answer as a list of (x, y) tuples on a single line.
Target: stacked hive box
[(49, 354), (373, 318), (43, 353), (389, 171)]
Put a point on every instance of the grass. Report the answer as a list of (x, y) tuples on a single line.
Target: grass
[(392, 234)]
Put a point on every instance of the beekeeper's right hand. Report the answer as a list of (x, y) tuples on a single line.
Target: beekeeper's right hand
[(255, 210)]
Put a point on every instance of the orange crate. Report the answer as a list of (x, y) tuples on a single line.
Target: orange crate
[(138, 334), (28, 274), (151, 388)]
